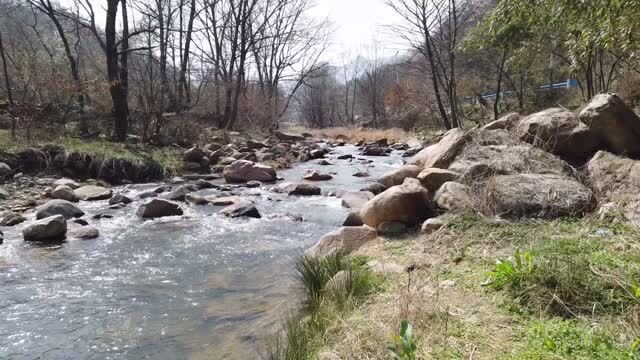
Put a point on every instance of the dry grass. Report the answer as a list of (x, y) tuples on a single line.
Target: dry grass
[(454, 315), (354, 134)]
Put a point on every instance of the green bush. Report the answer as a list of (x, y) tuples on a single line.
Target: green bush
[(571, 339), (404, 347), (323, 300), (568, 278)]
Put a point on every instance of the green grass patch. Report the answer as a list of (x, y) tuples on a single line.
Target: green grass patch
[(572, 339), (169, 157), (569, 277), (331, 287)]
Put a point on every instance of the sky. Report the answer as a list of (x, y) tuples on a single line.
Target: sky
[(357, 25)]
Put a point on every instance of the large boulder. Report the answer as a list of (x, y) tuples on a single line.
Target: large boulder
[(58, 207), (616, 181), (344, 240), (48, 229), (282, 136), (355, 199), (298, 189), (67, 182), (440, 155), (454, 197), (4, 194), (397, 176), (194, 155), (178, 194), (93, 192), (614, 122), (504, 123), (4, 169), (12, 219), (558, 131), (242, 171), (242, 208), (82, 232), (315, 175), (537, 195), (64, 192), (433, 178), (158, 208), (504, 159), (407, 203)]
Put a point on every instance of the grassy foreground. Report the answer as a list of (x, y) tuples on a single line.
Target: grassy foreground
[(487, 289), (169, 157)]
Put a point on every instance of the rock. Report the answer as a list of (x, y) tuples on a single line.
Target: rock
[(64, 192), (299, 189), (344, 240), (82, 222), (537, 195), (176, 180), (156, 208), (318, 153), (191, 166), (339, 283), (4, 194), (440, 155), (67, 182), (12, 219), (242, 171), (454, 197), (4, 169), (1, 237), (433, 178), (616, 181), (82, 232), (315, 175), (614, 122), (225, 200), (505, 123), (397, 176), (47, 229), (282, 136), (178, 194), (355, 199), (120, 199), (560, 132), (431, 225), (92, 193), (58, 207), (407, 203), (504, 159), (391, 228), (385, 268), (196, 199), (242, 208), (353, 219), (375, 188), (375, 150), (194, 155), (324, 162), (361, 174), (345, 157)]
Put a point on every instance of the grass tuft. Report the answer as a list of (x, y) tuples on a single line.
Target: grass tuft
[(331, 286)]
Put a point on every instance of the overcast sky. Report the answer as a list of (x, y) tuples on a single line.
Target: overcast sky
[(357, 24)]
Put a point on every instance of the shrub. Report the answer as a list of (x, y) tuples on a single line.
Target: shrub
[(568, 278), (571, 339), (405, 346)]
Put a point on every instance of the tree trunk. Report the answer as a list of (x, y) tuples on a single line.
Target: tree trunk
[(182, 82), (496, 111), (118, 96)]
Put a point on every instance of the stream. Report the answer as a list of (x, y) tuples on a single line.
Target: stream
[(199, 286)]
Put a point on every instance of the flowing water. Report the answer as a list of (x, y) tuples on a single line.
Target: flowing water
[(200, 286)]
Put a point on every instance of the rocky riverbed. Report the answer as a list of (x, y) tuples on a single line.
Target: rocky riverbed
[(184, 286)]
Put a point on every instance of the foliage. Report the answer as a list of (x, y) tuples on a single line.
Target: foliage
[(571, 339), (405, 346), (302, 334), (569, 277)]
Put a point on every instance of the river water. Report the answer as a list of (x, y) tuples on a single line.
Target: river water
[(200, 286)]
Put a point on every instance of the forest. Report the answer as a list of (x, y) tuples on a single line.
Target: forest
[(162, 70)]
